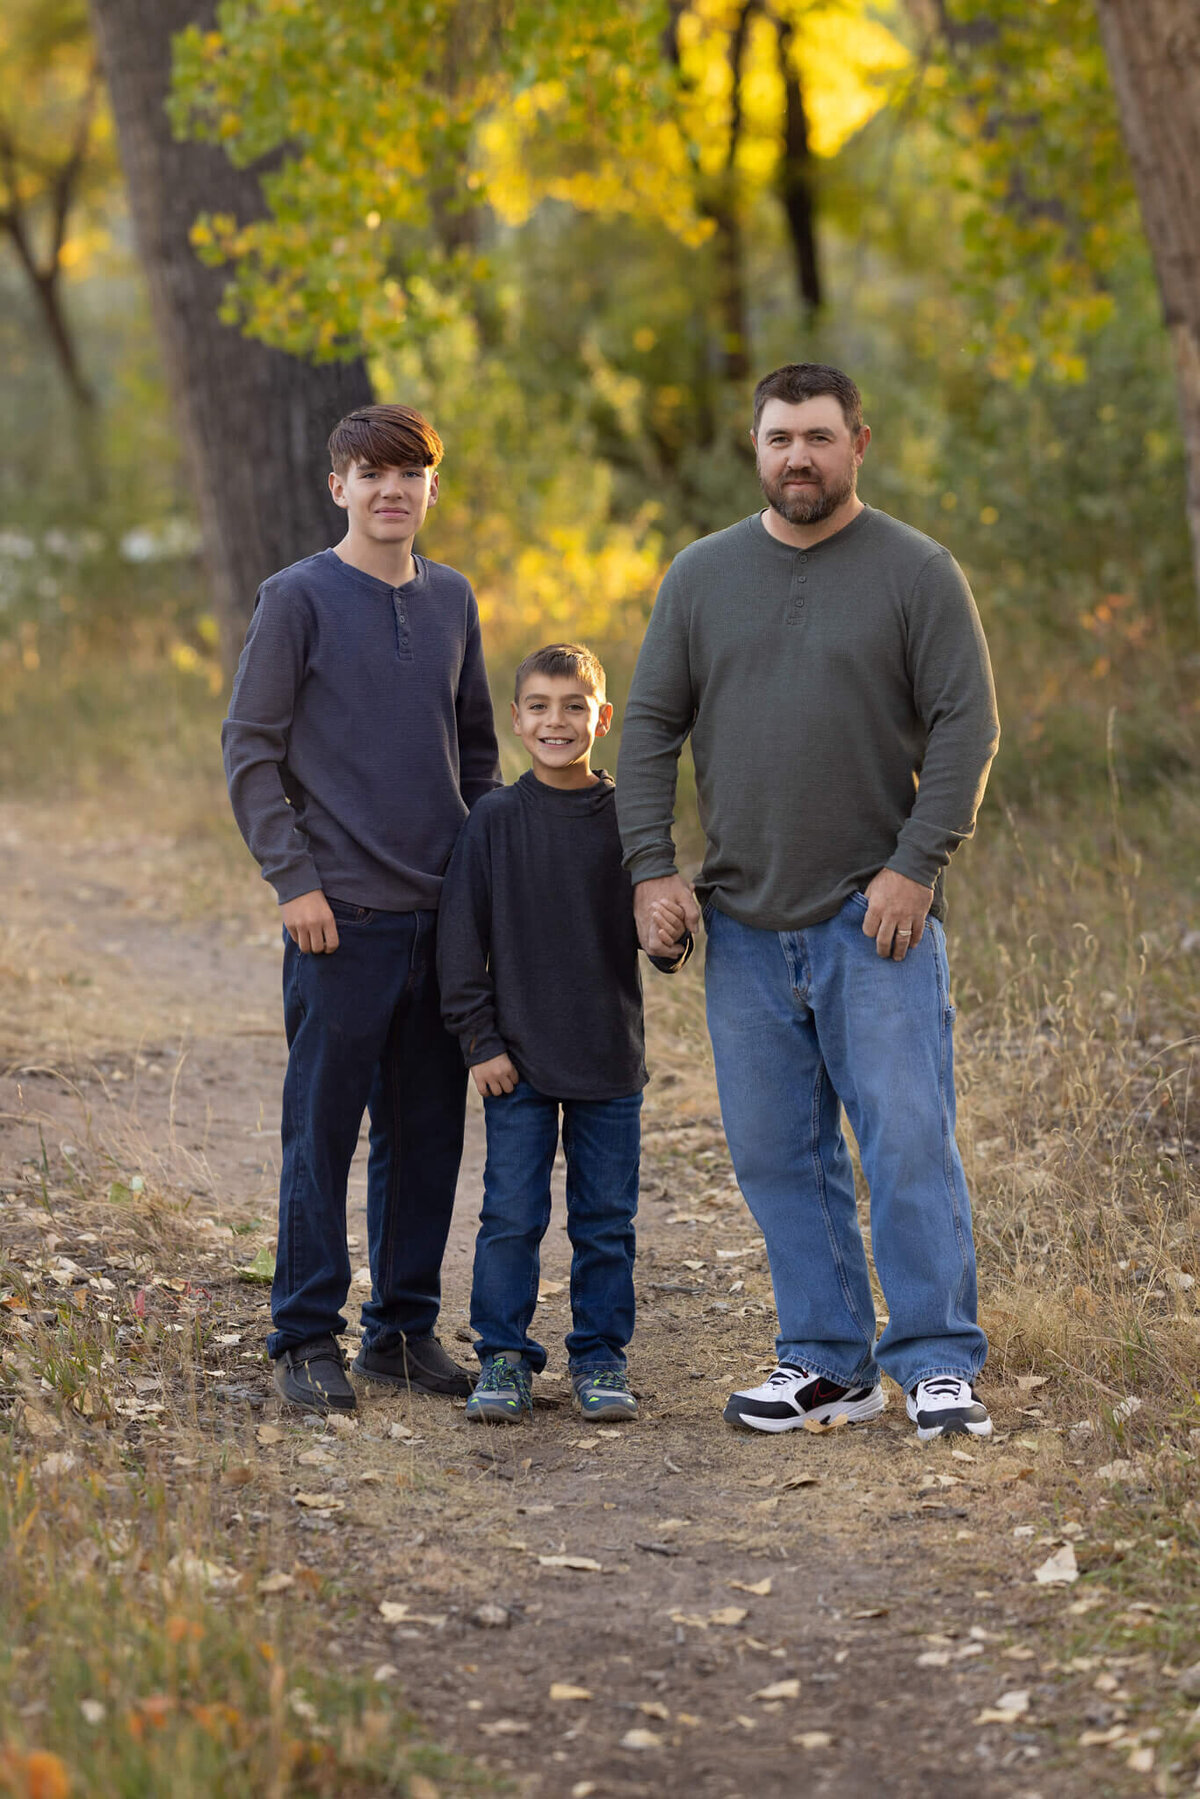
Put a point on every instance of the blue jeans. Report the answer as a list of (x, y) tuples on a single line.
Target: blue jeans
[(602, 1145), (365, 1033), (802, 1024)]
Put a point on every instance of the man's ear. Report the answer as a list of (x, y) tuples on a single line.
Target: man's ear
[(337, 489), (861, 442), (604, 719)]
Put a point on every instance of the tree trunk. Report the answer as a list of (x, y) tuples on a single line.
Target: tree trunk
[(1153, 51), (254, 420), (797, 187)]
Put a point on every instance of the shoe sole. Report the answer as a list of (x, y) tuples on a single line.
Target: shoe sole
[(956, 1427), (408, 1384), (497, 1417), (859, 1412), (604, 1414), (321, 1407)]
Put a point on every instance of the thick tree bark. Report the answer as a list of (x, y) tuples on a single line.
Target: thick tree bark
[(1153, 51), (255, 420)]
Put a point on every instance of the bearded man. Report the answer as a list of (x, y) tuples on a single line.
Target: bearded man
[(829, 665)]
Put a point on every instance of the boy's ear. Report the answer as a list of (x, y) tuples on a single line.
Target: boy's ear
[(516, 718), (433, 488), (337, 488), (604, 719)]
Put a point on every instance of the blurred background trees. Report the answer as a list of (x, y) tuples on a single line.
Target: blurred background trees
[(575, 241)]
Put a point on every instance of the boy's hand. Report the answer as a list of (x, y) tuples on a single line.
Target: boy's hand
[(670, 890), (495, 1077), (669, 922), (310, 924)]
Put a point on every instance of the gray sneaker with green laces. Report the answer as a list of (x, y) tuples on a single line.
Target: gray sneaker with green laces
[(603, 1394), (503, 1393)]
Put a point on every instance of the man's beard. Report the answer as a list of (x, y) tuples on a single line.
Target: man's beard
[(817, 503)]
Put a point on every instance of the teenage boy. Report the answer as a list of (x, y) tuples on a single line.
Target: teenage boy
[(359, 733), (537, 955)]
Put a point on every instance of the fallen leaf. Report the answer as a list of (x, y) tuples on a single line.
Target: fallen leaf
[(960, 1455), (1126, 1409), (52, 1467), (266, 1434), (582, 1564), (779, 1689), (1118, 1470), (370, 1477), (654, 1708), (1028, 1383), (760, 1588), (38, 1424), (800, 1480), (934, 1658), (1141, 1760), (262, 1268), (385, 1671), (276, 1583), (559, 1689), (871, 1611), (1059, 1569), (813, 1739), (691, 1619), (641, 1739), (394, 1611), (507, 1727), (1010, 1706), (729, 1614), (814, 1424), (401, 1433), (320, 1502), (1018, 1653), (1098, 1739), (317, 1458), (766, 1506), (550, 1290)]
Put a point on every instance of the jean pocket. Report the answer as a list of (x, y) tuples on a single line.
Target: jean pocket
[(858, 898), (347, 913), (706, 912)]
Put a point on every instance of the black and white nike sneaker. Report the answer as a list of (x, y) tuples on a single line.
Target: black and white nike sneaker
[(791, 1396), (945, 1406)]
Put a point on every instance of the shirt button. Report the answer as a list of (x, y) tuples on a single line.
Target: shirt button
[(804, 577), (401, 618)]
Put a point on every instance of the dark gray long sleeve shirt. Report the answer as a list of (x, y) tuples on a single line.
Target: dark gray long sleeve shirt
[(537, 950), (360, 731), (840, 705)]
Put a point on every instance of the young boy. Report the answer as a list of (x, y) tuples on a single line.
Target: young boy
[(359, 733), (537, 956)]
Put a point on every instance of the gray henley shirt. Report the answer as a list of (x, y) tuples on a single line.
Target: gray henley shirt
[(840, 705)]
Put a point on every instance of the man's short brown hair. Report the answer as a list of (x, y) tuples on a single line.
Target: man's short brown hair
[(384, 437), (797, 381), (565, 661)]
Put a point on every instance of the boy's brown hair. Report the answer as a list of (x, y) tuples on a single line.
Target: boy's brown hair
[(563, 660), (384, 437)]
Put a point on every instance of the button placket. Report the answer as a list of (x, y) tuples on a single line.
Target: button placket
[(403, 633)]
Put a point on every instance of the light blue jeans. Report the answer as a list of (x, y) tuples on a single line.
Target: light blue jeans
[(802, 1024)]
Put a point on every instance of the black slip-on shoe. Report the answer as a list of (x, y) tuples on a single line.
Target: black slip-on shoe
[(419, 1363), (313, 1375)]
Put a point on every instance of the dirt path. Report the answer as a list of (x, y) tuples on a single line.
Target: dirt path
[(817, 1614)]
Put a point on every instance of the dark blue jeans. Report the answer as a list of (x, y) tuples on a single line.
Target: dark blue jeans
[(602, 1145), (365, 1033)]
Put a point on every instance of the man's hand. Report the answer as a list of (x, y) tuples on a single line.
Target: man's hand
[(310, 924), (669, 891), (896, 913), (495, 1077)]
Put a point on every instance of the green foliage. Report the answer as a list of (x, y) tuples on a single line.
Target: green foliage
[(1044, 196)]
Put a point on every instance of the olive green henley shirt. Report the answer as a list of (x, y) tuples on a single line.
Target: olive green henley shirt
[(840, 705)]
